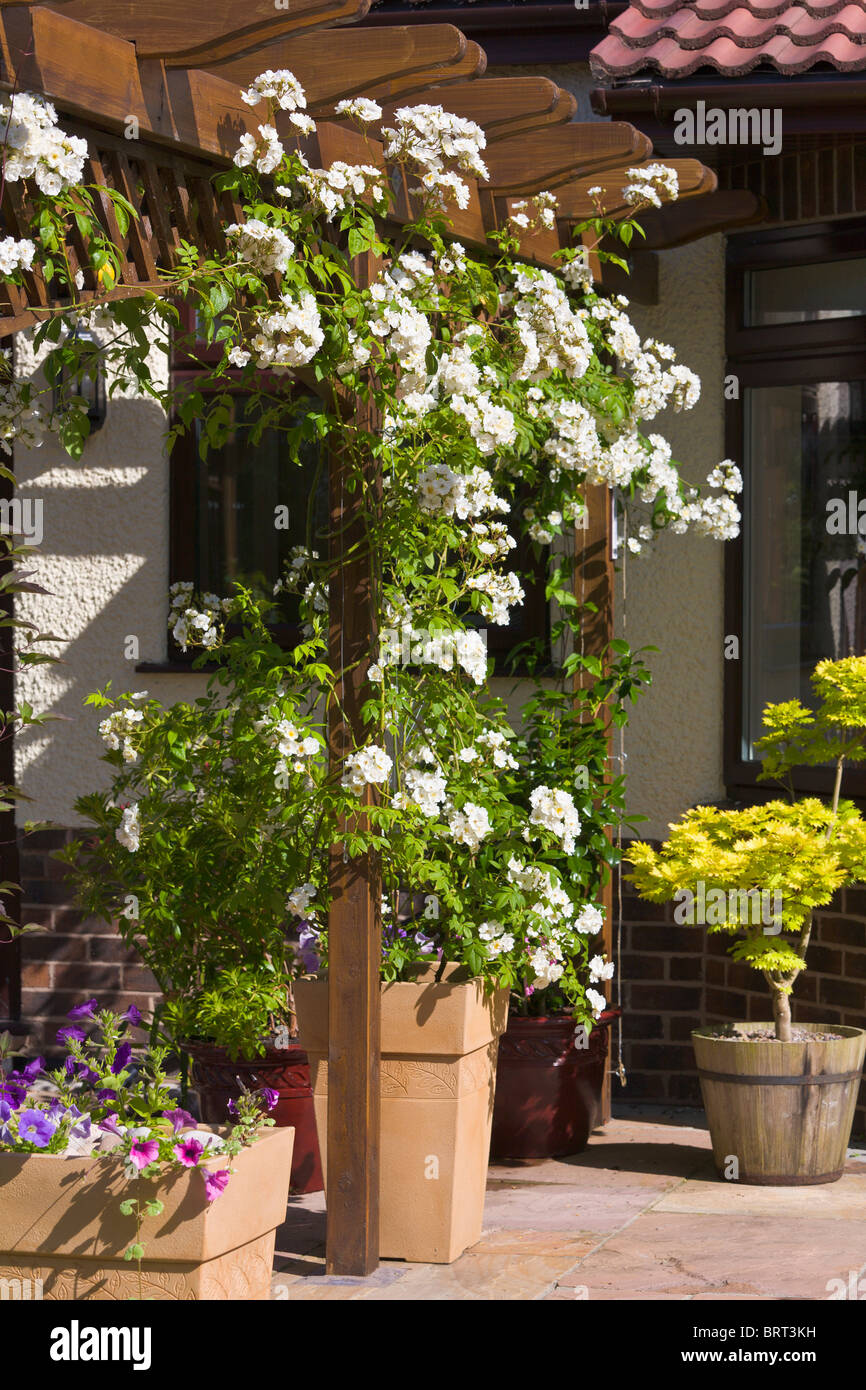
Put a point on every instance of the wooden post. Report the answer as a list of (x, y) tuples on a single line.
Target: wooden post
[(594, 584), (354, 922)]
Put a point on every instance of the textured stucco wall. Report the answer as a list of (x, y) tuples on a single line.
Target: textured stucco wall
[(104, 562)]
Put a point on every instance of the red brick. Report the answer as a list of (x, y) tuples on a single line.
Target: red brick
[(855, 965), (715, 971), (83, 975), (641, 1026), (824, 960), (644, 1086), (52, 947), (680, 1027), (682, 998), (637, 967), (668, 939), (639, 910), (843, 930), (662, 1057), (685, 1088), (845, 992), (854, 902), (726, 1003), (137, 977), (67, 919), (113, 949), (686, 968), (35, 975)]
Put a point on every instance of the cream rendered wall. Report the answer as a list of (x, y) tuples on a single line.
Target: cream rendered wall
[(104, 562)]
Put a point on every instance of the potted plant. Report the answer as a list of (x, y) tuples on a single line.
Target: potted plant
[(552, 1056), (779, 1097), (203, 852), (110, 1190)]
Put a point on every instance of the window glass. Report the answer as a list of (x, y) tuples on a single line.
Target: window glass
[(806, 293), (251, 504), (805, 577)]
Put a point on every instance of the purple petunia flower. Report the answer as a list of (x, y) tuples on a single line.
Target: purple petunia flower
[(35, 1128), (106, 1094), (110, 1125), (141, 1154), (307, 954), (79, 1071), (85, 1010), (81, 1130), (12, 1093), (188, 1152), (215, 1183), (269, 1096), (121, 1058), (132, 1016), (178, 1118), (70, 1033), (33, 1069)]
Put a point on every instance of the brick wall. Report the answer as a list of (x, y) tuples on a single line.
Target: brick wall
[(676, 978), (77, 958)]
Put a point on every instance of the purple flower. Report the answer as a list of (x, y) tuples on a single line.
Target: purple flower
[(307, 954), (188, 1152), (85, 1010), (121, 1058), (269, 1096), (12, 1093), (131, 1016), (109, 1125), (106, 1094), (70, 1034), (215, 1183), (178, 1118), (33, 1069), (81, 1130), (6, 1110), (142, 1154), (79, 1071), (35, 1128)]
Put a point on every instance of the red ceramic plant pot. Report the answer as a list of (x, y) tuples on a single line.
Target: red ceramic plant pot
[(286, 1070), (548, 1092)]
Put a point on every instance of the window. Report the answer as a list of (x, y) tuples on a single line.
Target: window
[(796, 578)]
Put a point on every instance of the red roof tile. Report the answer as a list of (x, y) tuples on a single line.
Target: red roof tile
[(678, 37)]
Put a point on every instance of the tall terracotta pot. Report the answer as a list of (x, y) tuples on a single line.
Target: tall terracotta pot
[(780, 1113), (216, 1078), (439, 1046), (60, 1222), (548, 1090)]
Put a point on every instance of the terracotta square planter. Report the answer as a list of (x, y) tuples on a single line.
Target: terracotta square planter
[(60, 1222), (439, 1044)]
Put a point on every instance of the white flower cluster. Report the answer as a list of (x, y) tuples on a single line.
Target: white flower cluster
[(332, 191), (495, 743), (186, 623), (726, 475), (300, 898), (290, 336), (360, 109), (553, 336), (395, 318), (290, 742), (439, 147), (498, 939), (280, 86), (370, 765), (35, 148), (265, 248), (540, 211), (649, 182), (266, 152), (574, 445), (492, 539), (470, 825), (16, 255), (19, 420), (128, 833), (117, 730), (426, 789), (551, 901), (546, 961), (596, 1002), (554, 810), (600, 969), (589, 920), (500, 592), (491, 426), (443, 492), (542, 531)]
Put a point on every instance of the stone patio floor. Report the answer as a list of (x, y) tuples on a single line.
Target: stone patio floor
[(639, 1215)]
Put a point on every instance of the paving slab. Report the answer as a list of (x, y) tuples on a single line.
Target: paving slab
[(844, 1200)]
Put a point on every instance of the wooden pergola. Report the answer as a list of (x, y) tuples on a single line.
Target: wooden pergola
[(153, 85)]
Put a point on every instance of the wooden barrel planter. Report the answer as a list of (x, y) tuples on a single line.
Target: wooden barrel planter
[(548, 1092), (286, 1070), (784, 1111)]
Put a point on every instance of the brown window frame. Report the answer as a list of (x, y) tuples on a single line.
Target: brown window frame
[(789, 354)]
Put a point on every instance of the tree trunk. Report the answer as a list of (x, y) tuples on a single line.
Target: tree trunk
[(782, 1014)]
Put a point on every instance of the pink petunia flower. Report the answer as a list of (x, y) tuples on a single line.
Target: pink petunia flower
[(215, 1183), (188, 1152), (143, 1153)]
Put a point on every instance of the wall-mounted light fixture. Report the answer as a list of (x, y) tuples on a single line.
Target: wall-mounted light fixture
[(88, 383)]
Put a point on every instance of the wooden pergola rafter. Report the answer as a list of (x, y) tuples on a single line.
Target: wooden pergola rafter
[(169, 75)]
